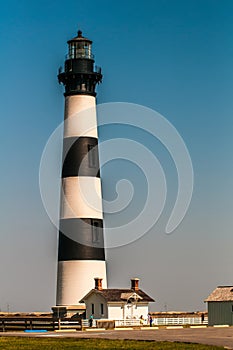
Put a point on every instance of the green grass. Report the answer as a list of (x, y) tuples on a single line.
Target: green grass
[(20, 343)]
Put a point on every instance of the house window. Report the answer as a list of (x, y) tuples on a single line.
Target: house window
[(92, 309), (231, 308), (101, 309), (95, 231), (92, 156)]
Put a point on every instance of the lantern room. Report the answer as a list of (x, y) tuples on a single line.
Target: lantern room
[(79, 75), (79, 47)]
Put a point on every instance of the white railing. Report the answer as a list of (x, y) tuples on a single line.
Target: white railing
[(160, 321), (127, 323), (86, 323), (118, 323), (179, 321)]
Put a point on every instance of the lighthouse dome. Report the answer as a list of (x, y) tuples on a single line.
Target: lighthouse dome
[(80, 47)]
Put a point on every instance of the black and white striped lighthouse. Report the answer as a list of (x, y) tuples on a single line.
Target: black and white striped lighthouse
[(81, 255)]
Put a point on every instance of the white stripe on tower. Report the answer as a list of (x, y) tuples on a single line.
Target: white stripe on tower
[(81, 255)]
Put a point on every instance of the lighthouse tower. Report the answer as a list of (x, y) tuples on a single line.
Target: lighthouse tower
[(81, 256)]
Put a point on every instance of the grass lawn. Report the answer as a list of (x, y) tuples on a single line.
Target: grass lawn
[(20, 343)]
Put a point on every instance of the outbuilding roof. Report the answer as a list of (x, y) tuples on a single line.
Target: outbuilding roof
[(115, 295), (221, 293)]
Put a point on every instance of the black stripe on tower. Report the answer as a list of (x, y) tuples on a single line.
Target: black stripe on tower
[(80, 157), (81, 239)]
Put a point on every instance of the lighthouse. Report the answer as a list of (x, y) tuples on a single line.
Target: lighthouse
[(81, 255)]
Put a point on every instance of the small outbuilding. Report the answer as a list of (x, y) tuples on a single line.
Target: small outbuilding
[(220, 306), (117, 304)]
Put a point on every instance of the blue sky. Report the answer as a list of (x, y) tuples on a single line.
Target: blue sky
[(175, 57)]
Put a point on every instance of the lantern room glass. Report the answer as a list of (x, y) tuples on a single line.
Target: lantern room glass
[(80, 49)]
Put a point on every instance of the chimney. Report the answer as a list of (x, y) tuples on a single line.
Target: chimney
[(98, 283), (135, 283)]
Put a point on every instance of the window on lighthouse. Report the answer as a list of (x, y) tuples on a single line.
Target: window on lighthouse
[(92, 156), (95, 231), (83, 87)]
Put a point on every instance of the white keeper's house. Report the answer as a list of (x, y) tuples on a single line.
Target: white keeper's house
[(117, 304), (220, 306)]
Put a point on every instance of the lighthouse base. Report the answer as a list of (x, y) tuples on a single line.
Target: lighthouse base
[(76, 279)]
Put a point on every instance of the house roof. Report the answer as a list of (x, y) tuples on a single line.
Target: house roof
[(115, 295), (221, 293)]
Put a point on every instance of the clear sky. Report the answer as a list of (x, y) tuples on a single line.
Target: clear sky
[(175, 57)]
